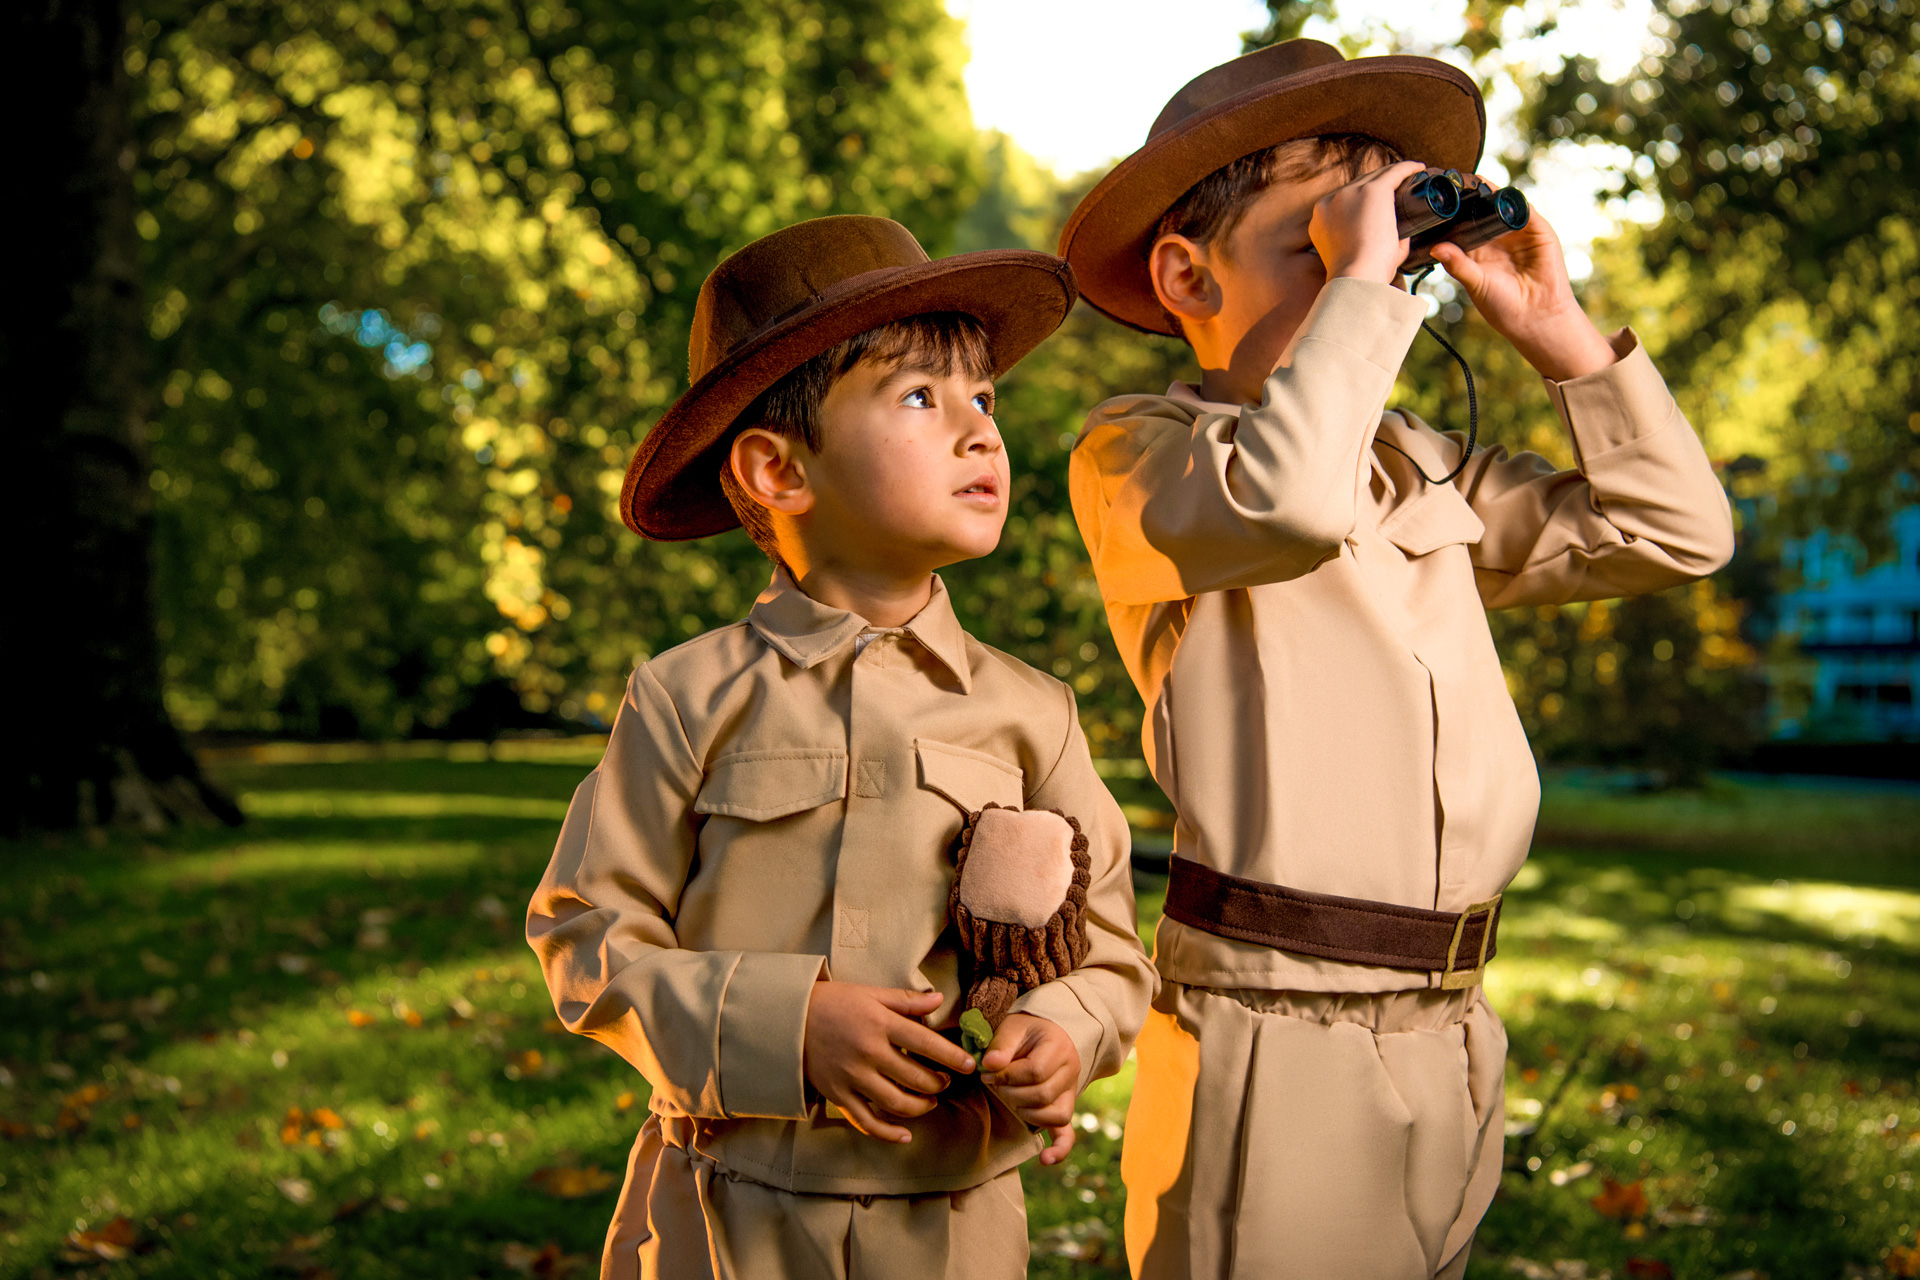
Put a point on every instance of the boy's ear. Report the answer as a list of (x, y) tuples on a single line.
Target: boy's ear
[(1183, 278), (770, 469)]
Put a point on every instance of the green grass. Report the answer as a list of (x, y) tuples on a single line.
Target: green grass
[(1714, 996)]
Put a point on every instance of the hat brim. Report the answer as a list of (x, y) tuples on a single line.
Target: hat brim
[(1421, 107), (672, 491)]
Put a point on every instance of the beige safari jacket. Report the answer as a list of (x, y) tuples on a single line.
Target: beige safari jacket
[(1305, 617), (778, 803)]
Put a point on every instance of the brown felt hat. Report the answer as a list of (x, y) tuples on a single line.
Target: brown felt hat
[(787, 298), (1421, 107)]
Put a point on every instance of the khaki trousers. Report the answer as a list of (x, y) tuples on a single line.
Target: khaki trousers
[(1278, 1134), (683, 1217)]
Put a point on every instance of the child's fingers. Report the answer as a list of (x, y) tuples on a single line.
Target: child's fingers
[(891, 1098), (1041, 1093), (1471, 275), (908, 1074), (856, 1110), (917, 1037), (1062, 1144), (1057, 1112), (908, 1004)]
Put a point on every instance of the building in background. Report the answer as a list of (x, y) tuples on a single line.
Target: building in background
[(1857, 664)]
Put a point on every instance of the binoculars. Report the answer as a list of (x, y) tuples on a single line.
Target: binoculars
[(1446, 205)]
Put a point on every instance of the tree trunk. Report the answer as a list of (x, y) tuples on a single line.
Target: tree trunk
[(95, 745)]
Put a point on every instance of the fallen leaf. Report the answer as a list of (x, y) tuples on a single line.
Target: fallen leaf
[(1530, 1075), (412, 1018), (1625, 1202), (524, 1063), (625, 1101), (298, 1190), (1648, 1269), (292, 1126), (565, 1183), (356, 1018), (549, 1261), (85, 1096), (111, 1243), (131, 1120), (1852, 1089), (1904, 1261), (326, 1118)]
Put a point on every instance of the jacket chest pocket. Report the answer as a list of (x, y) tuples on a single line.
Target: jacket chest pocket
[(970, 779), (763, 785), (1436, 517)]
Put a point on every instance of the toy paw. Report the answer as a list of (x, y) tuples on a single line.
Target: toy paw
[(1019, 866), (1019, 902)]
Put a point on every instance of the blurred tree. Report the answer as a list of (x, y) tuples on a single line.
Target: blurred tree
[(1782, 139), (421, 275), (96, 745)]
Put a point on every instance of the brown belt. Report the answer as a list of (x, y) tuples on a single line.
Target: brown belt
[(1454, 944)]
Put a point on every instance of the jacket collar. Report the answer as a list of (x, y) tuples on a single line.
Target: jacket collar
[(806, 632), (1185, 393)]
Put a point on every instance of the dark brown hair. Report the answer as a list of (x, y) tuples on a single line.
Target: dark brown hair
[(936, 343), (1214, 206)]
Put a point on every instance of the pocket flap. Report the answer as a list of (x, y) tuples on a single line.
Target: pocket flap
[(971, 779), (1436, 518), (762, 785)]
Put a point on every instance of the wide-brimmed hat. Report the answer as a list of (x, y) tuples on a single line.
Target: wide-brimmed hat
[(787, 298), (1423, 108)]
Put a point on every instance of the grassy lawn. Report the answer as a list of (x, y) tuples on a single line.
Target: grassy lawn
[(319, 1047)]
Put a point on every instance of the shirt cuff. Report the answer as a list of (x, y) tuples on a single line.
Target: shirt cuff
[(1624, 402), (1374, 320), (1058, 1004), (763, 1027)]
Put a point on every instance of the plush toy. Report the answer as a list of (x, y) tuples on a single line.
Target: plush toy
[(1019, 901)]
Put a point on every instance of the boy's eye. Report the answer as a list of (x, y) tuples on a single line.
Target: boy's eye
[(984, 403), (919, 398)]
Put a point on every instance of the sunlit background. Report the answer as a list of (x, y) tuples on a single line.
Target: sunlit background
[(413, 280)]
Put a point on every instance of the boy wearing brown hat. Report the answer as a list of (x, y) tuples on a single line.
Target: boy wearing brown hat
[(750, 897), (1297, 579)]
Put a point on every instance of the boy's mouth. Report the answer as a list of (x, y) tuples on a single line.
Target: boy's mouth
[(987, 487)]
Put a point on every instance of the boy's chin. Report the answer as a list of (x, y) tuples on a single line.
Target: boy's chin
[(952, 546)]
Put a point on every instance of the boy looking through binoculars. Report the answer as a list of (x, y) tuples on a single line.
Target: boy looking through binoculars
[(1302, 606)]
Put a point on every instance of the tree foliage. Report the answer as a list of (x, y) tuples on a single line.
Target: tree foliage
[(421, 274), (1782, 137)]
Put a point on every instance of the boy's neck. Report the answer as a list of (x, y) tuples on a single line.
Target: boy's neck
[(885, 598), (1219, 386)]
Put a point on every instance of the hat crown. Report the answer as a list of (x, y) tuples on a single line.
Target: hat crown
[(780, 273), (1248, 71)]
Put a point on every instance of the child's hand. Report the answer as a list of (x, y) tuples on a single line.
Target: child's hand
[(1519, 283), (1034, 1068), (1062, 1135), (855, 1054), (1354, 230)]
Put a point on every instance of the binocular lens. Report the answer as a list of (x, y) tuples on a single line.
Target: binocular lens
[(1441, 196), (1511, 207)]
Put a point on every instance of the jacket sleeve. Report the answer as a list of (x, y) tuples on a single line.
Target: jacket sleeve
[(1173, 505), (1642, 512), (1101, 1004), (717, 1034)]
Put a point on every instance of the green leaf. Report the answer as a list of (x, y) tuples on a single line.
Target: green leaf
[(976, 1033)]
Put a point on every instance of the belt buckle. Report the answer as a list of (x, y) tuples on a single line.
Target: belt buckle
[(1454, 981)]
